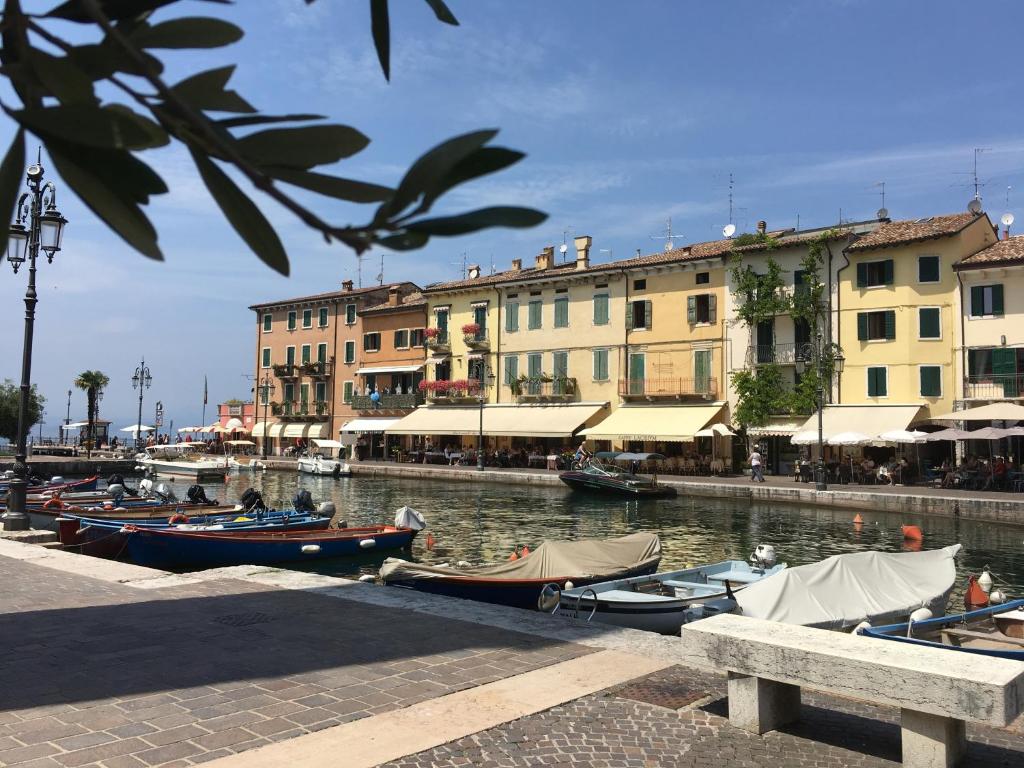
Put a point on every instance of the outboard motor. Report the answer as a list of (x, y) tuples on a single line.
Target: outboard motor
[(145, 486), (252, 501), (164, 492), (303, 502), (326, 509), (57, 480), (196, 495), (407, 517), (116, 491), (115, 479), (763, 556)]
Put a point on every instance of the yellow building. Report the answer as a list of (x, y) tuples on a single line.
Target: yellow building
[(899, 324)]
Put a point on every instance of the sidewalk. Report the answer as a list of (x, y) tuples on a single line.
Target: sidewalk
[(127, 667)]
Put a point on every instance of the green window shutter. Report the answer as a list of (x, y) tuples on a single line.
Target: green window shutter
[(290, 356), (862, 326), (977, 301), (347, 396), (629, 315), (997, 299), (691, 309), (648, 314), (321, 353), (877, 384), (306, 352), (931, 381), (266, 357), (888, 267), (268, 322), (712, 308), (562, 312), (600, 365), (535, 315), (930, 323), (323, 316), (533, 362), (890, 325), (928, 269), (862, 275), (560, 364), (601, 309), (512, 316), (511, 369)]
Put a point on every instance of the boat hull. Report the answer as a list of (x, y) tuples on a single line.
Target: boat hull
[(323, 467), (172, 549), (582, 481), (47, 518), (197, 471)]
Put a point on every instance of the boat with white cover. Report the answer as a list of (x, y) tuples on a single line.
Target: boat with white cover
[(321, 462), (183, 460)]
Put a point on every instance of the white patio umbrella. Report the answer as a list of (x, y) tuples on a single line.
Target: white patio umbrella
[(189, 429), (850, 439), (947, 434), (988, 433), (136, 428), (903, 436)]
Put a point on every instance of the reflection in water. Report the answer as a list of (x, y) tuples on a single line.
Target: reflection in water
[(484, 523)]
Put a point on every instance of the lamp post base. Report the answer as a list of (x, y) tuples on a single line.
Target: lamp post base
[(15, 518)]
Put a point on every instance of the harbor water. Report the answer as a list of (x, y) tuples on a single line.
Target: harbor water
[(484, 523)]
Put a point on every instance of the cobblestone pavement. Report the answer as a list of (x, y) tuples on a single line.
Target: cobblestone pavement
[(104, 674), (622, 728)]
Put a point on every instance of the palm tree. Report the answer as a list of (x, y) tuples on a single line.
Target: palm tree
[(92, 382)]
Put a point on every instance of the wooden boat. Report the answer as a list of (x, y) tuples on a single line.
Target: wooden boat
[(56, 484), (597, 477), (177, 549), (107, 538), (519, 583), (663, 602), (46, 517), (994, 631)]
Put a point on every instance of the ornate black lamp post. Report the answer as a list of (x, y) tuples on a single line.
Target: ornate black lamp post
[(486, 382), (67, 420), (266, 389), (142, 380), (827, 360), (44, 230)]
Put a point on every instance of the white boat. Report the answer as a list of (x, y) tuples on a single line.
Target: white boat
[(182, 460), (315, 462)]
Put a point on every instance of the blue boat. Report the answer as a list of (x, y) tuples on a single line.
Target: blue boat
[(994, 631), (163, 548)]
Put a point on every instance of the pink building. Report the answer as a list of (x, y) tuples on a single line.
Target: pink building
[(238, 411)]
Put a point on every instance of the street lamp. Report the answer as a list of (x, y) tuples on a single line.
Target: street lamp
[(266, 390), (486, 382), (142, 380), (67, 420), (45, 231), (820, 355)]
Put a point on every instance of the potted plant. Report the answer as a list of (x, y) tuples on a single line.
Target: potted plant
[(430, 333), (471, 329)]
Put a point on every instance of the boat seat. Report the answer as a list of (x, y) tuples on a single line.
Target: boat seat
[(967, 634), (627, 596), (692, 585), (743, 577)]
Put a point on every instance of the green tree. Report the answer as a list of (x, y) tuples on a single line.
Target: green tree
[(10, 401), (760, 394), (91, 382), (96, 144)]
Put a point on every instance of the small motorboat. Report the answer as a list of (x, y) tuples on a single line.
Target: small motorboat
[(185, 460), (519, 582), (54, 484), (663, 602), (994, 631), (317, 463), (597, 477)]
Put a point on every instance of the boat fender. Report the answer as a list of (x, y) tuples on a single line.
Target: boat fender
[(975, 596), (568, 584), (513, 557), (367, 543), (912, 532), (53, 503), (525, 552), (996, 597), (311, 549), (430, 541), (858, 520), (859, 629), (463, 564), (367, 578), (985, 581), (177, 517), (120, 509), (921, 614)]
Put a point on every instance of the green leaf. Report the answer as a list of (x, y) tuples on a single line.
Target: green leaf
[(406, 241), (11, 171), (110, 127), (88, 173), (482, 218), (115, 10), (332, 186), (248, 221), (188, 32), (302, 147), (206, 91), (484, 161), (99, 61), (241, 122), (381, 27), (430, 170), (61, 77), (442, 12)]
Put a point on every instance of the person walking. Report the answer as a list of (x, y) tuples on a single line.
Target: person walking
[(756, 472)]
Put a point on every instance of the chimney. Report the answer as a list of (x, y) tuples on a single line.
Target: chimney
[(517, 265), (1006, 233), (393, 295), (546, 258), (346, 285), (582, 244), (762, 227)]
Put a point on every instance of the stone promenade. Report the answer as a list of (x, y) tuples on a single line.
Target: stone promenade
[(111, 666)]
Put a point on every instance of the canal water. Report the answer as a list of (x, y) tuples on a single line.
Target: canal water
[(484, 523)]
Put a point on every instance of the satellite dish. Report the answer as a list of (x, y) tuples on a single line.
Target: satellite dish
[(669, 245), (883, 213), (563, 248), (474, 273), (729, 230), (1007, 219), (974, 206)]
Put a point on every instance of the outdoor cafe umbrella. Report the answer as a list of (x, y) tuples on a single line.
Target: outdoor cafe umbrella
[(190, 429), (850, 439), (136, 428)]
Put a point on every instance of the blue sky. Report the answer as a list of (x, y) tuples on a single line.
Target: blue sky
[(629, 112)]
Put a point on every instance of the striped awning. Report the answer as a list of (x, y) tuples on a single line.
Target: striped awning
[(299, 429), (274, 430), (778, 427)]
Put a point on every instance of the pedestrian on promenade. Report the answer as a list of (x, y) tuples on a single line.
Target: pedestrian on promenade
[(756, 472)]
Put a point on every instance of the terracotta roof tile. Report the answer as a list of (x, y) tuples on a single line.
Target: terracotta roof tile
[(326, 296), (913, 230), (412, 300), (1003, 252)]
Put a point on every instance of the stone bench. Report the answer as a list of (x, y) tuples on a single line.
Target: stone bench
[(937, 690)]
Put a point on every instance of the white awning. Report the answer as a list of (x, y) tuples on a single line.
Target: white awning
[(777, 427), (299, 429), (673, 423), (234, 424), (1002, 411), (368, 425), (436, 360), (525, 420), (330, 444), (868, 420), (275, 429), (389, 369)]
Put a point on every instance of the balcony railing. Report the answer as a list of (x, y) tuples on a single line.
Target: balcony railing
[(318, 369), (285, 370), (452, 392), (477, 340), (994, 386), (784, 354), (298, 409), (703, 386), (440, 343), (404, 402), (562, 389)]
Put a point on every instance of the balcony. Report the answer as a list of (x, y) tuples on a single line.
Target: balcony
[(439, 343), (994, 386), (285, 371), (319, 369), (297, 409), (463, 391), (560, 390), (405, 402), (477, 340), (704, 387), (781, 354)]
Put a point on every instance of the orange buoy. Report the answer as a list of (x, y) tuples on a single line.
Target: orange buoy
[(513, 556), (858, 520), (975, 596), (912, 532), (526, 551), (430, 541)]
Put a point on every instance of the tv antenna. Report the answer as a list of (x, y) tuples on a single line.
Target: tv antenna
[(974, 206), (461, 264), (883, 212), (606, 250), (564, 247), (380, 275), (359, 270), (730, 200), (667, 237)]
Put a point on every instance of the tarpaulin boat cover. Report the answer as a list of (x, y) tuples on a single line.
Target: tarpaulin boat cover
[(590, 558), (844, 590)]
